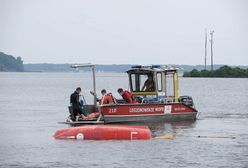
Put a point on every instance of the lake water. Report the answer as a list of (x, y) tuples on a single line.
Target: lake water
[(31, 104)]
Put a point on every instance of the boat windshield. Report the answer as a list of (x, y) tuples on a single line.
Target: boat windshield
[(169, 78), (142, 82)]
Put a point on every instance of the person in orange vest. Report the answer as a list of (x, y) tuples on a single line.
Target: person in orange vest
[(107, 98), (127, 96)]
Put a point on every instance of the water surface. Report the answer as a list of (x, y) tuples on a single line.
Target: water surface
[(31, 104)]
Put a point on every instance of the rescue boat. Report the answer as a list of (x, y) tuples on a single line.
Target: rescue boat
[(161, 103), (104, 132)]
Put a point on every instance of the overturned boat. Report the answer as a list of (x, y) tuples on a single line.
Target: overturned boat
[(104, 132), (161, 102)]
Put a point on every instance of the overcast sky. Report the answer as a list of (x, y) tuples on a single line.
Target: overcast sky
[(127, 31)]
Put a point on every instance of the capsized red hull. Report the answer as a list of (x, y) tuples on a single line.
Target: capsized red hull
[(105, 132)]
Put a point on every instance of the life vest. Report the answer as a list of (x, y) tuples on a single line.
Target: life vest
[(128, 97), (108, 99)]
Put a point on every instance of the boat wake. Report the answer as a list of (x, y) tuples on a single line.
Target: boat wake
[(225, 115)]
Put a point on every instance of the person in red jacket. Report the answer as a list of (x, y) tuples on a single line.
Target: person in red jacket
[(127, 96), (107, 98)]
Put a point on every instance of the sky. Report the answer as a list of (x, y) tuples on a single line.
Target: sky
[(124, 31)]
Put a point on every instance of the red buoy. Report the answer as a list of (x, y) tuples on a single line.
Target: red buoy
[(104, 132)]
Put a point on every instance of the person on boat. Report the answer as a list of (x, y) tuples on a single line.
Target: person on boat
[(107, 98), (76, 102), (127, 96), (149, 84)]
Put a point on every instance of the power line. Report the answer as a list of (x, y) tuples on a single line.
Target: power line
[(206, 40), (212, 53)]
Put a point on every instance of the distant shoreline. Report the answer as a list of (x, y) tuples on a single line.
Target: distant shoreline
[(45, 67), (222, 72)]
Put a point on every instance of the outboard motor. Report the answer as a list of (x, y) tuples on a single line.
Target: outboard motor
[(186, 100)]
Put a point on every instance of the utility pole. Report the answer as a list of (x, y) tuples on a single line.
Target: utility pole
[(206, 40), (212, 54)]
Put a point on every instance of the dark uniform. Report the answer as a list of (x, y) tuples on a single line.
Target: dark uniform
[(77, 109)]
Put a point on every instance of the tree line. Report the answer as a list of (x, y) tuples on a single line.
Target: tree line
[(10, 63), (223, 72)]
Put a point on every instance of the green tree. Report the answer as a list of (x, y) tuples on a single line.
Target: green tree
[(224, 71), (10, 63), (195, 73)]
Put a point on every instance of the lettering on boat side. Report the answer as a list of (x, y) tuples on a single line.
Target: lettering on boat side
[(112, 110), (151, 109), (167, 109), (179, 109), (69, 137), (133, 133)]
